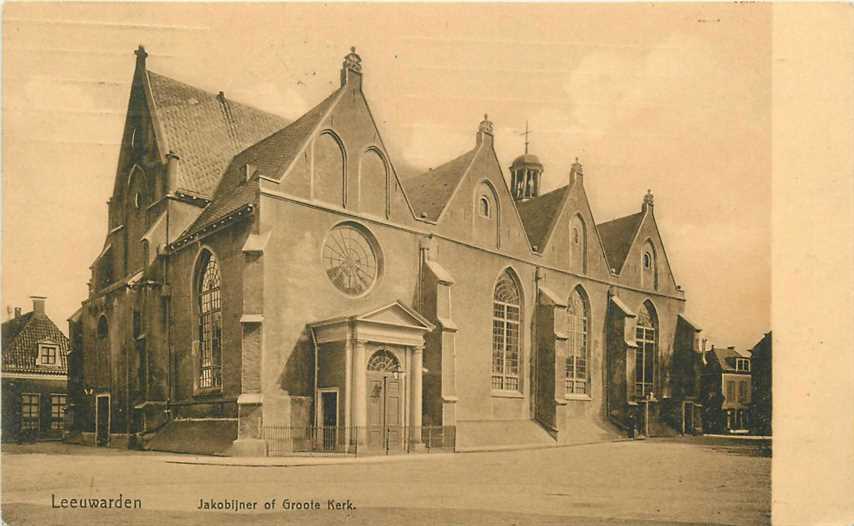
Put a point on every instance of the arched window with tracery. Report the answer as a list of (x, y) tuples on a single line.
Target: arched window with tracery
[(209, 304), (506, 314), (645, 335), (384, 361), (577, 356)]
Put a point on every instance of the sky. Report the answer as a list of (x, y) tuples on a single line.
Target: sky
[(673, 98)]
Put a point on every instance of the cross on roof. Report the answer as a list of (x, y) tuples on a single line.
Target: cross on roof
[(526, 133)]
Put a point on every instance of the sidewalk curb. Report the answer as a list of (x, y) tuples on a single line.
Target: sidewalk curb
[(288, 462)]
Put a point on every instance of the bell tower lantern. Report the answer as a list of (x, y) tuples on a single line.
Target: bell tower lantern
[(525, 173)]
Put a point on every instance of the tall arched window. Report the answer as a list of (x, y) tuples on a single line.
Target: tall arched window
[(579, 346), (506, 313), (645, 334), (210, 323), (329, 165), (578, 245), (649, 273)]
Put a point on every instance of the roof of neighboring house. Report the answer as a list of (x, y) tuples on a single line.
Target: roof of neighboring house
[(726, 358), (617, 237), (206, 130), (539, 213), (271, 157), (21, 338), (430, 192)]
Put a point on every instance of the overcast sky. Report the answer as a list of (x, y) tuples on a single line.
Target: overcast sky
[(674, 98)]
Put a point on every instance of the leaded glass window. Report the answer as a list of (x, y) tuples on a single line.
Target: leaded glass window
[(210, 324), (578, 352), (646, 351), (506, 312), (383, 360), (350, 261)]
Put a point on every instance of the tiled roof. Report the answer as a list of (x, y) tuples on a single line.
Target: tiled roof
[(21, 337), (275, 153), (430, 192), (726, 358), (206, 131), (538, 213), (271, 157), (617, 236)]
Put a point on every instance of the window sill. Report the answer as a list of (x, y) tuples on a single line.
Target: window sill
[(507, 394), (580, 397)]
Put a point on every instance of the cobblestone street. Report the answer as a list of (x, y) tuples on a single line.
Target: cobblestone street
[(643, 482)]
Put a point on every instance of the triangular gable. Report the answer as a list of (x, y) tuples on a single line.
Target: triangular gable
[(618, 237), (275, 154), (397, 313), (431, 192)]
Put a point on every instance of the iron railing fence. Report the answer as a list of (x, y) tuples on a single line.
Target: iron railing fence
[(358, 440)]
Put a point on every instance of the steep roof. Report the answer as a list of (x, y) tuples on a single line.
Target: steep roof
[(430, 192), (21, 337), (726, 359), (271, 157), (205, 130), (617, 236), (539, 213)]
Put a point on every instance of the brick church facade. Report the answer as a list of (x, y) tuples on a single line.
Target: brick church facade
[(260, 274)]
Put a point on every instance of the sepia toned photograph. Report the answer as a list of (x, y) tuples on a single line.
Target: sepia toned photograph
[(499, 264)]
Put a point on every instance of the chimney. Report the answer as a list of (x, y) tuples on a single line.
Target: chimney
[(17, 312), (351, 71), (38, 304), (576, 173), (171, 183), (249, 171), (486, 131)]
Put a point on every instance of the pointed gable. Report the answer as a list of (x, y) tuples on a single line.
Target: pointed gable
[(617, 236), (273, 155), (538, 215), (431, 192), (205, 130)]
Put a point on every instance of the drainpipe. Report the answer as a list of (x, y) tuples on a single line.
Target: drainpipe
[(316, 368)]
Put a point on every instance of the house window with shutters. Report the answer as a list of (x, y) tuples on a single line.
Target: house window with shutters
[(209, 304)]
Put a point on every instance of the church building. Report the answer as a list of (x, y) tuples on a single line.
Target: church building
[(261, 275)]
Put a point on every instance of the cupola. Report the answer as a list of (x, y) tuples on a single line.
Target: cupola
[(525, 173)]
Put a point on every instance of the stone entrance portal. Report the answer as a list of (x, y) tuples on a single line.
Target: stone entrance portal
[(375, 361)]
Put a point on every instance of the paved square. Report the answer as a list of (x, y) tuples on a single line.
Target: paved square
[(643, 482)]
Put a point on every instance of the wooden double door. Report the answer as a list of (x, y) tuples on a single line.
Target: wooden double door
[(386, 428)]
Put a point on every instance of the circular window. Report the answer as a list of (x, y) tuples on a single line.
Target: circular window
[(350, 260)]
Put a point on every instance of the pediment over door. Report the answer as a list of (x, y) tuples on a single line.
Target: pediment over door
[(395, 323)]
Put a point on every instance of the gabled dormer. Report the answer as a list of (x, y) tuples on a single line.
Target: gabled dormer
[(635, 251), (468, 198), (561, 226)]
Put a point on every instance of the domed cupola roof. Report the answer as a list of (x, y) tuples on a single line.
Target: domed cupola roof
[(527, 159)]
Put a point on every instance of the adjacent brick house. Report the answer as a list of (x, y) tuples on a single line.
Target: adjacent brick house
[(727, 391), (34, 376), (761, 385), (262, 274)]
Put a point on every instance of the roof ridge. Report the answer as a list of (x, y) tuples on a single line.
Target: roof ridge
[(214, 95)]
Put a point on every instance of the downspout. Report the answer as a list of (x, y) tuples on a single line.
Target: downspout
[(171, 184), (316, 368)]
